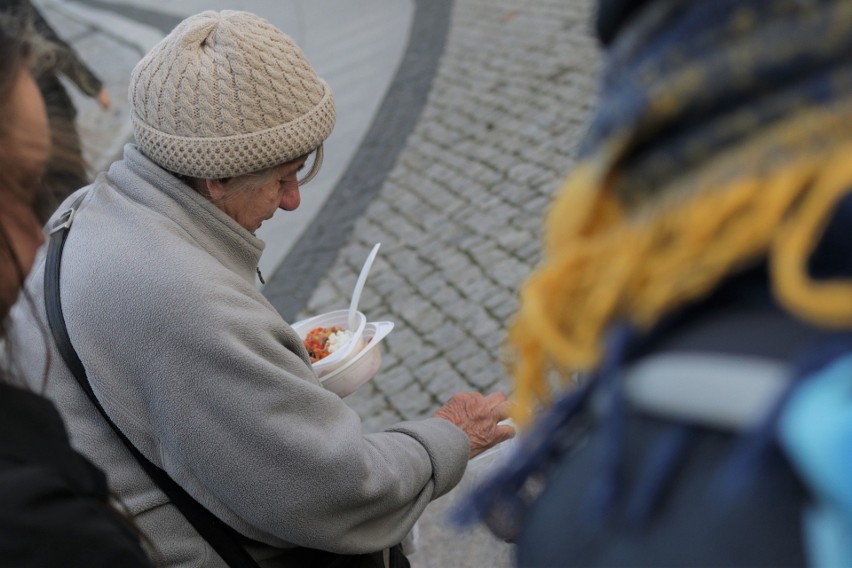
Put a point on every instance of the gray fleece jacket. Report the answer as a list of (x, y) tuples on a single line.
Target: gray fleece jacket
[(207, 380)]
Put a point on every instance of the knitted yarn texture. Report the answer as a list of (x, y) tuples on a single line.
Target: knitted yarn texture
[(226, 94), (712, 150)]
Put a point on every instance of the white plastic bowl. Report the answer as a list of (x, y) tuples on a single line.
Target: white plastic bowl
[(346, 352), (346, 379)]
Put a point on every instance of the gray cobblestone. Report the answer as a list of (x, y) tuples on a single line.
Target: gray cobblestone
[(476, 287), (424, 354), (426, 373), (448, 297), (450, 262), (385, 282), (444, 385), (429, 284), (486, 379), (371, 232), (502, 305), (530, 252), (396, 224), (402, 342), (389, 382), (324, 298), (480, 363), (486, 254), (398, 298), (413, 402), (529, 174), (447, 335), (407, 262), (440, 197), (469, 274), (509, 273), (481, 324), (429, 319)]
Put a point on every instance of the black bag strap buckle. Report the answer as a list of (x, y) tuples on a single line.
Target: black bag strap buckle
[(65, 219)]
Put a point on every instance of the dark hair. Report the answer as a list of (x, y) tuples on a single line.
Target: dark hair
[(16, 53), (20, 50), (13, 60), (41, 56)]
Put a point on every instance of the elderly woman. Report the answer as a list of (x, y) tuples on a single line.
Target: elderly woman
[(54, 504), (183, 353)]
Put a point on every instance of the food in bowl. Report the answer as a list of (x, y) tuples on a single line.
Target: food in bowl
[(340, 319), (323, 341)]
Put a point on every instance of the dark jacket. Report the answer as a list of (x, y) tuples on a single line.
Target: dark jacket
[(672, 504), (53, 502)]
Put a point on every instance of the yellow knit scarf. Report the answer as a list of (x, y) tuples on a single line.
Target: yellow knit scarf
[(769, 197)]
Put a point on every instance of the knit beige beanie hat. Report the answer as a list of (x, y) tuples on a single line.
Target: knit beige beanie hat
[(225, 94)]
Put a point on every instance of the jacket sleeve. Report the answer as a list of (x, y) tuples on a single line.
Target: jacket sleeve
[(233, 411)]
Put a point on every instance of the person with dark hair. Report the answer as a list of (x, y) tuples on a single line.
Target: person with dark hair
[(697, 276), (62, 177), (55, 507)]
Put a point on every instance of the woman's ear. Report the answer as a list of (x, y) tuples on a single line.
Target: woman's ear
[(214, 189)]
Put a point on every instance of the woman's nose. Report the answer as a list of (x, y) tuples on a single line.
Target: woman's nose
[(290, 198)]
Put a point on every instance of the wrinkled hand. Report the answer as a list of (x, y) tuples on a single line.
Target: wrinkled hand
[(478, 416)]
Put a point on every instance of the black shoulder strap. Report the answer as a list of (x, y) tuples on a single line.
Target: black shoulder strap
[(224, 540)]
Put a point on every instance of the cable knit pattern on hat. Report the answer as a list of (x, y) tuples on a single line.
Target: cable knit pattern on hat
[(225, 94)]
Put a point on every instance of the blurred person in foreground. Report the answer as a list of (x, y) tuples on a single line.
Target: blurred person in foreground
[(188, 358), (55, 508), (61, 178), (697, 272)]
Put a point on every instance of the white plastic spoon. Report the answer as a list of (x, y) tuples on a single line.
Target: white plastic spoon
[(359, 285)]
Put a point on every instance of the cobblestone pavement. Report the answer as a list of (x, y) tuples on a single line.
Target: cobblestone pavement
[(459, 220), (459, 215)]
